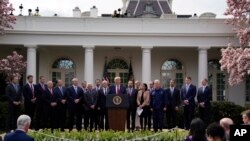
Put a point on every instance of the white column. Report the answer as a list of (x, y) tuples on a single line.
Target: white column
[(89, 64), (146, 63), (202, 65), (31, 61)]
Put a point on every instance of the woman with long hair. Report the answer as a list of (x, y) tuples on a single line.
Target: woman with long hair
[(197, 131)]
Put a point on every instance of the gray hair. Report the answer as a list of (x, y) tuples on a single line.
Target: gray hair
[(22, 121)]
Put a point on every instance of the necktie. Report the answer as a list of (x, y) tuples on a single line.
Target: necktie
[(172, 91), (15, 86), (51, 92), (61, 90), (75, 89), (203, 89), (32, 89), (105, 91), (118, 89), (130, 91), (43, 87), (187, 89)]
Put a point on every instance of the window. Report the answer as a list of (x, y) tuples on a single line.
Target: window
[(172, 69), (63, 68), (118, 67), (217, 80)]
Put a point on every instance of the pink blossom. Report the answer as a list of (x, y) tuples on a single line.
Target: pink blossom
[(12, 65)]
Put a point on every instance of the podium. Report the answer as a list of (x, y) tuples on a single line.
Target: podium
[(117, 106)]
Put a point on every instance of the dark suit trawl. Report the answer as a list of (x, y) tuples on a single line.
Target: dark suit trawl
[(188, 109), (90, 118), (49, 112), (112, 89), (17, 135), (174, 101), (131, 112), (39, 92), (75, 110), (13, 94), (101, 104), (61, 108), (29, 106), (205, 97)]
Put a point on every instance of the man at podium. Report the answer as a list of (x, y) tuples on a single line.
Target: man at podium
[(117, 88)]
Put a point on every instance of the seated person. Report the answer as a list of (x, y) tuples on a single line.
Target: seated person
[(215, 132), (23, 124), (246, 117), (197, 131)]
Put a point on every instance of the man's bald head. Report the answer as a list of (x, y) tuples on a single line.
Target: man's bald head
[(225, 123)]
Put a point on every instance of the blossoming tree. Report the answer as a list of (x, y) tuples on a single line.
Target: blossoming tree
[(12, 65), (236, 61), (6, 19)]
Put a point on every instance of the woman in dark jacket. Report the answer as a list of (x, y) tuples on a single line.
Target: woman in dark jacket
[(197, 131)]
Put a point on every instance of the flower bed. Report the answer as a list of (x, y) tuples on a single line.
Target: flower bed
[(171, 135)]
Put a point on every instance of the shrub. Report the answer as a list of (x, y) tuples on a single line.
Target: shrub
[(46, 135), (226, 109)]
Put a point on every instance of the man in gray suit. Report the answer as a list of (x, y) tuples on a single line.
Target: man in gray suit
[(90, 102)]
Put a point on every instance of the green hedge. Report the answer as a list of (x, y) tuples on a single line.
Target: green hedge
[(226, 109), (173, 135)]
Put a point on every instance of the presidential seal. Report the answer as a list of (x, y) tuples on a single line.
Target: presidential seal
[(117, 100)]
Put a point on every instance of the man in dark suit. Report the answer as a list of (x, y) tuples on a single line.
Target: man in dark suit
[(90, 105), (102, 105), (132, 95), (60, 91), (204, 97), (50, 107), (173, 95), (188, 93), (117, 88), (40, 90), (13, 93), (20, 134), (29, 98), (75, 100)]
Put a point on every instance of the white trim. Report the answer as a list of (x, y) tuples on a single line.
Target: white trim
[(160, 7), (136, 7)]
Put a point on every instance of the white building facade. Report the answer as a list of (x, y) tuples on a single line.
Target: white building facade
[(158, 48)]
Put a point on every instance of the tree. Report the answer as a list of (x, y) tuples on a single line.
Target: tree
[(6, 18), (12, 65), (236, 61)]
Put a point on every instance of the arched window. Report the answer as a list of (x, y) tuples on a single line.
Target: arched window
[(172, 69), (63, 63), (118, 67), (64, 69), (217, 80)]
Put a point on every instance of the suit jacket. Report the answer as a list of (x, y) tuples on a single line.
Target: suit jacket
[(189, 95), (61, 94), (90, 98), (113, 89), (132, 98), (101, 102), (13, 94), (72, 95), (158, 100), (205, 96), (173, 99), (49, 97), (17, 135), (28, 95), (39, 92)]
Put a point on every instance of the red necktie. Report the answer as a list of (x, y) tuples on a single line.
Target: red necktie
[(118, 89)]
